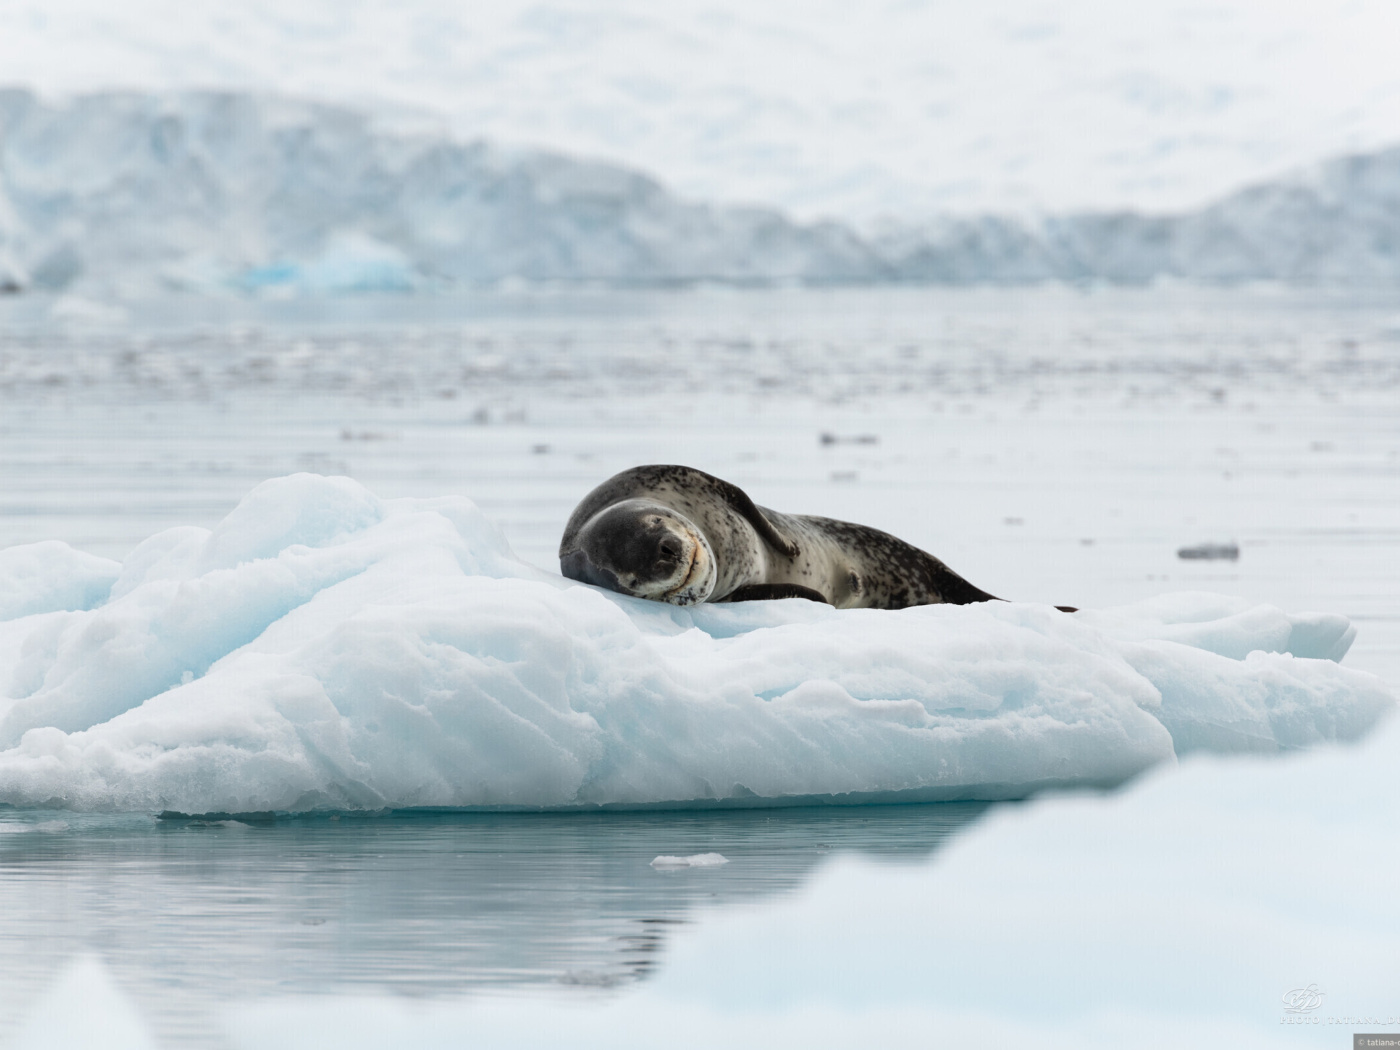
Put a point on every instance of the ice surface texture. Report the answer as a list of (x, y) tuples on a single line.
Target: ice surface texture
[(322, 648), (124, 193)]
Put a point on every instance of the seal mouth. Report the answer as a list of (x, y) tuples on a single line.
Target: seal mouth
[(689, 571), (699, 580)]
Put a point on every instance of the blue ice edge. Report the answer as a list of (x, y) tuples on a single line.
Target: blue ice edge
[(323, 650)]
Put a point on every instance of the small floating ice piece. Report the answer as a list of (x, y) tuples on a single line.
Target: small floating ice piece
[(1210, 552), (698, 860), (47, 826)]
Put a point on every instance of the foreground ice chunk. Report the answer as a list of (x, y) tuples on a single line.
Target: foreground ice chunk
[(84, 1009), (1185, 911), (321, 648)]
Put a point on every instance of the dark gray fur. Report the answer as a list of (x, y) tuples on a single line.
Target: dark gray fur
[(760, 553)]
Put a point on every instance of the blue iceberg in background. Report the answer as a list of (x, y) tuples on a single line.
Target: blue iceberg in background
[(348, 263)]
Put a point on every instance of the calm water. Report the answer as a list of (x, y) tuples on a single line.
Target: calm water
[(191, 915)]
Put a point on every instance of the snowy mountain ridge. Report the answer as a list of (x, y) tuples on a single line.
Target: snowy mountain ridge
[(131, 193), (894, 108)]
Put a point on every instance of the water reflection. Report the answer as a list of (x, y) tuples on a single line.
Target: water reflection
[(190, 914)]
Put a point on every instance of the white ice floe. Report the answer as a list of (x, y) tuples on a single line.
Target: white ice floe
[(697, 860), (323, 648)]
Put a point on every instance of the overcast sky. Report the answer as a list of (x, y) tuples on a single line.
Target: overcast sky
[(821, 107)]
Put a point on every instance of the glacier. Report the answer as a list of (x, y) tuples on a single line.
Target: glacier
[(137, 194), (324, 649), (128, 194), (924, 109)]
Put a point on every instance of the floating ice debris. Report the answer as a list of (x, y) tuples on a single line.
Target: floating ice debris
[(699, 860), (591, 979), (17, 827), (828, 438), (81, 312), (1210, 552), (345, 652)]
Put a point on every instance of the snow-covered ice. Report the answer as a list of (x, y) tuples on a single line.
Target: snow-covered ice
[(50, 576), (84, 1008), (325, 649)]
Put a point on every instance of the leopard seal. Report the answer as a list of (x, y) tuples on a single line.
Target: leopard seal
[(676, 534)]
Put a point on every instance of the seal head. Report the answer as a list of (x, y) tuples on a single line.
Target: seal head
[(646, 549)]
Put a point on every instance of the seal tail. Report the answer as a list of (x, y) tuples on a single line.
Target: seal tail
[(954, 590)]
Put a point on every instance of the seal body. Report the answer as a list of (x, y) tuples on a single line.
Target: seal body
[(679, 535)]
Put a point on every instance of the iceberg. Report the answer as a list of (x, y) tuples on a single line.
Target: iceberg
[(323, 649), (349, 263)]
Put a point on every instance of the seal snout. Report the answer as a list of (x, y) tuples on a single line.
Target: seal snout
[(643, 549)]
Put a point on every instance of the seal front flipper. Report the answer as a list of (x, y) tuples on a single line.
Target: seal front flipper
[(757, 592), (739, 500)]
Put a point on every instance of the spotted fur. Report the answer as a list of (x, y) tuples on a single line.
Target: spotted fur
[(625, 535)]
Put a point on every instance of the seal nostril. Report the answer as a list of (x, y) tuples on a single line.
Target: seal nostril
[(670, 549)]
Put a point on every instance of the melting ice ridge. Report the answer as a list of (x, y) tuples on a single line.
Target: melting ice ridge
[(325, 649)]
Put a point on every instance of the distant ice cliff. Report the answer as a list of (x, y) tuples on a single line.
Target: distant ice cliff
[(135, 193)]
